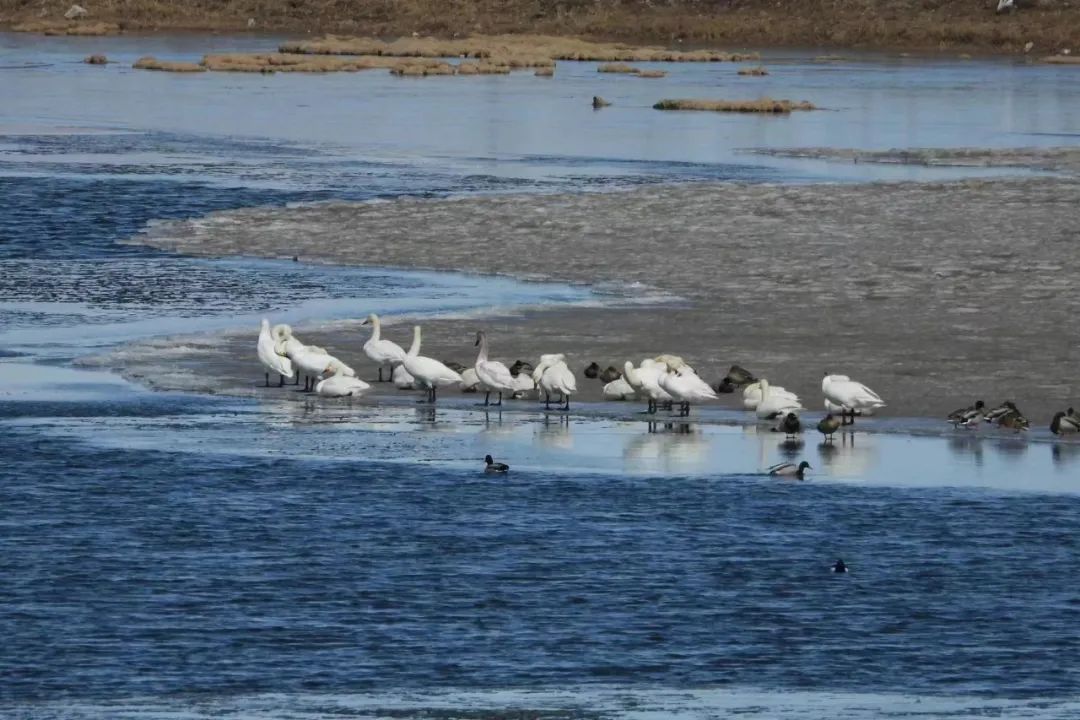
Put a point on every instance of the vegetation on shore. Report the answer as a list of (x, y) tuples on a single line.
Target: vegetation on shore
[(926, 24)]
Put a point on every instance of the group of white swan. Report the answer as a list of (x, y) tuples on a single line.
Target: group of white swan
[(664, 379)]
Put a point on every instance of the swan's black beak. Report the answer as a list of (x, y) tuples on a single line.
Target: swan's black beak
[(366, 322)]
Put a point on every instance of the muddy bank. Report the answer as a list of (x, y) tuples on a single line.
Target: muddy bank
[(1060, 159), (942, 24), (933, 294)]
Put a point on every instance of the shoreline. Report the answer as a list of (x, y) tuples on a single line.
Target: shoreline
[(874, 281), (953, 25)]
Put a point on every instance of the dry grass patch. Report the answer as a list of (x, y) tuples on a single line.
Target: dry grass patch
[(758, 71), (1061, 59), (422, 69), (152, 63), (482, 68), (761, 105), (278, 62), (67, 27), (542, 48)]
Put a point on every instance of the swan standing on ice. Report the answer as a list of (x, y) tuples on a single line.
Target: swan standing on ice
[(341, 385), (269, 356), (399, 375), (752, 395), (553, 376), (851, 396), (382, 352), (645, 380), (428, 372), (493, 375), (619, 389), (773, 405), (316, 362), (285, 343), (685, 386)]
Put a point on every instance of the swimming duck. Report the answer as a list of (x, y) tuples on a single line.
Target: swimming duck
[(1065, 423), (490, 466), (992, 416), (851, 396), (592, 370), (828, 426), (790, 470), (1013, 420), (609, 375), (969, 416), (839, 567)]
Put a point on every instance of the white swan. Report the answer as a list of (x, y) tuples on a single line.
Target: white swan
[(555, 378), (469, 380), (752, 395), (382, 352), (428, 372), (646, 381), (399, 375), (773, 405), (269, 356), (315, 363), (619, 389), (685, 386), (341, 385), (851, 396), (673, 362), (493, 375)]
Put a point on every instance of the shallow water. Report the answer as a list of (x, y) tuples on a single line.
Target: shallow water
[(169, 555)]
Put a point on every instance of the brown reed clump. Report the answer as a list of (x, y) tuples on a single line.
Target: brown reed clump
[(482, 68), (278, 62), (422, 69), (652, 74), (152, 63), (761, 105), (67, 27), (1061, 59), (618, 68), (96, 60), (758, 71), (539, 48)]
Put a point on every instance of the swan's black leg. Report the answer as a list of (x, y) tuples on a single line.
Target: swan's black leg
[(499, 404), (267, 379), (297, 380), (487, 398), (281, 381), (380, 373), (547, 401), (432, 394)]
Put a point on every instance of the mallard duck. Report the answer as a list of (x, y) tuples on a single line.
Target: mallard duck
[(1065, 423), (1013, 420), (789, 425), (790, 470), (994, 415), (609, 375), (490, 466), (592, 370), (828, 426), (969, 416)]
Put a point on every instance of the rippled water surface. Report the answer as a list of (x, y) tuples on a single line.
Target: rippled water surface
[(168, 556)]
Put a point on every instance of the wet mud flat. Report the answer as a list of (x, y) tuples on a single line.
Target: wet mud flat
[(931, 293)]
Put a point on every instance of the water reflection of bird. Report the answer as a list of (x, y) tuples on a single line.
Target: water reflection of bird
[(669, 447), (1064, 453)]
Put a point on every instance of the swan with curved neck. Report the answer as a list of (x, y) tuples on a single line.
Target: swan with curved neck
[(399, 375), (773, 405), (382, 352), (269, 356), (852, 397), (493, 375), (685, 386)]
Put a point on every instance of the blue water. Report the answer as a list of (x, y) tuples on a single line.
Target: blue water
[(193, 556)]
